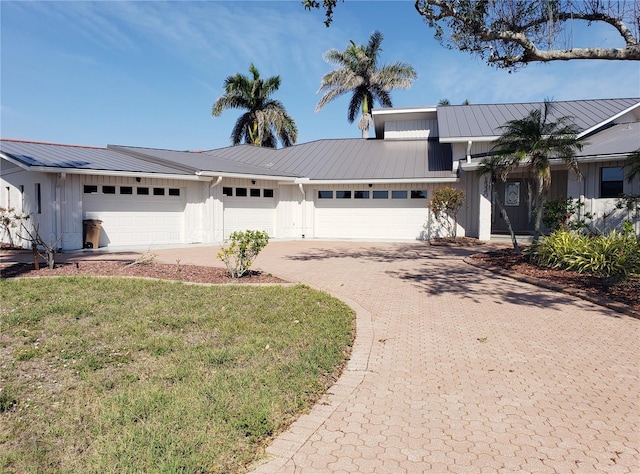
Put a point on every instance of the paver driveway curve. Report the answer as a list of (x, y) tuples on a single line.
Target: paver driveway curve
[(456, 369)]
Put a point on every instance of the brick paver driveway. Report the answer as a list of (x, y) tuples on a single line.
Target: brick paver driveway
[(456, 369)]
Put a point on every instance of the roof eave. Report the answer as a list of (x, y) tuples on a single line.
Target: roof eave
[(610, 119)]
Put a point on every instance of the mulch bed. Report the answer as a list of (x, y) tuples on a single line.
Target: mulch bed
[(627, 292), (186, 273)]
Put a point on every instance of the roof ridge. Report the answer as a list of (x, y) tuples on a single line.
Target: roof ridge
[(36, 142)]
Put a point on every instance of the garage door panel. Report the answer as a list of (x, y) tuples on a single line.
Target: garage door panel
[(136, 220), (370, 218), (242, 214)]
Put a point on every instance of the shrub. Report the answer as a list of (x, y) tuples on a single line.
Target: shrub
[(564, 214), (9, 220), (615, 254), (241, 249), (445, 204)]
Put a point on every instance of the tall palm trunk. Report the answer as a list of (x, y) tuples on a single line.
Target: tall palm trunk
[(503, 211)]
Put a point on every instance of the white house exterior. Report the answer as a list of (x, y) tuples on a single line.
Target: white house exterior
[(328, 189)]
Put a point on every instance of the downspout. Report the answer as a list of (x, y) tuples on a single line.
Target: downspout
[(304, 199), (469, 143), (59, 182), (213, 185)]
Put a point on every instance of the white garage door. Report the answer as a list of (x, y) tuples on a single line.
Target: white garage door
[(253, 212), (129, 218), (373, 214)]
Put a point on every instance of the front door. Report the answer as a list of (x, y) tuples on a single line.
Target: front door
[(516, 196)]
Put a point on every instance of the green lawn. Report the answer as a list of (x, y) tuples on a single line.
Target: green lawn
[(126, 375)]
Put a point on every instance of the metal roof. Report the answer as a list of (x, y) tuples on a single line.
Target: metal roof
[(73, 157), (352, 159), (216, 161), (617, 140), (469, 122)]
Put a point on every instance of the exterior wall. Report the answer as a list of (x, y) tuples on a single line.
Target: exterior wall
[(607, 217), (18, 190)]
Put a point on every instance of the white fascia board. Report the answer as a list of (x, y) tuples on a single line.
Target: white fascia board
[(610, 119), (451, 179), (130, 174), (407, 110), (213, 174), (468, 139)]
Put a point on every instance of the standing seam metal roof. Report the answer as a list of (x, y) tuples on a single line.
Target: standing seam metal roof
[(477, 120)]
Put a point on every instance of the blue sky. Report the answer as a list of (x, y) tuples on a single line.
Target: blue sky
[(147, 73)]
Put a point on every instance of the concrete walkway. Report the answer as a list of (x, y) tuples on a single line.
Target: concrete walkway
[(456, 369)]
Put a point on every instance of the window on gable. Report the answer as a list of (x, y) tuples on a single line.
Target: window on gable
[(611, 181)]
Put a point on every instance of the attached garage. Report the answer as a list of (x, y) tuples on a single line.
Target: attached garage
[(136, 215), (249, 209), (370, 213)]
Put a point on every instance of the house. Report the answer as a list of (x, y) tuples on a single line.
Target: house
[(327, 189)]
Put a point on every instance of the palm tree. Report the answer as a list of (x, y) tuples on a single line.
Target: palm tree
[(358, 74), (536, 139), (498, 168), (633, 163), (265, 119)]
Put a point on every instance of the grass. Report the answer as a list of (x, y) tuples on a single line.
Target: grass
[(124, 375)]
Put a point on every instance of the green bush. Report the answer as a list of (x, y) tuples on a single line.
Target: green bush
[(565, 214), (615, 254), (241, 249)]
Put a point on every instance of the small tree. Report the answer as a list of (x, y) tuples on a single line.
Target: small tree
[(9, 220), (40, 246), (445, 204), (241, 249)]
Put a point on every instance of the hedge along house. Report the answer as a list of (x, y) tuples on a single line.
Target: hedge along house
[(333, 189)]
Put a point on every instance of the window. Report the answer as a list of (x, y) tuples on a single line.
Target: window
[(381, 195), (398, 195), (126, 190), (343, 194), (227, 191), (418, 194), (108, 189), (38, 199), (254, 193), (361, 195), (241, 192), (8, 197), (611, 182), (325, 194), (89, 189), (158, 191), (268, 193), (174, 191), (142, 191)]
